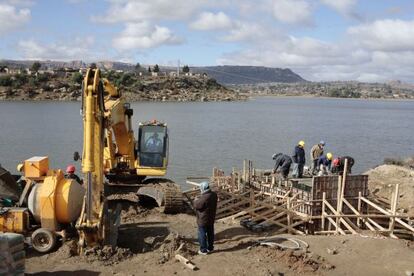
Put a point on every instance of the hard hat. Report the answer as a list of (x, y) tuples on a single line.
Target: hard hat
[(336, 162), (20, 167), (204, 187), (301, 143), (329, 156), (274, 156), (322, 142), (70, 169)]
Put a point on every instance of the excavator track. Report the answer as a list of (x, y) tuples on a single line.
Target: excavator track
[(165, 192)]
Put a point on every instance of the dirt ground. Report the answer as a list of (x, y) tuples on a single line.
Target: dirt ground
[(148, 242), (382, 181)]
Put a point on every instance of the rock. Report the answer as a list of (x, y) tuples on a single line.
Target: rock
[(332, 251)]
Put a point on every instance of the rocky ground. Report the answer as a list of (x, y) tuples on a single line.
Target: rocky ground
[(135, 88), (382, 181), (148, 242)]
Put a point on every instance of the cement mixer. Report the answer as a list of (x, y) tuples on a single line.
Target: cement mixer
[(47, 207)]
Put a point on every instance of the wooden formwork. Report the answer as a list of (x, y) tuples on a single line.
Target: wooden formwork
[(318, 205)]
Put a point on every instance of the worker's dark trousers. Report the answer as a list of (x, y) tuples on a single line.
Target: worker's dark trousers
[(298, 170), (315, 168), (206, 238), (285, 169)]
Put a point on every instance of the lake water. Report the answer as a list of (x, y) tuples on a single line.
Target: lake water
[(207, 135)]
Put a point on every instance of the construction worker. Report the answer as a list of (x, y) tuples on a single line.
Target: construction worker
[(299, 159), (70, 173), (315, 153), (283, 162), (154, 143), (339, 164), (324, 164), (205, 207)]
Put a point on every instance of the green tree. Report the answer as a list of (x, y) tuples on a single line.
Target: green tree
[(137, 66), (156, 68), (36, 66), (149, 69), (186, 69)]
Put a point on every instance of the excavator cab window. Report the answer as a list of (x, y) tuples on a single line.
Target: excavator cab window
[(152, 145)]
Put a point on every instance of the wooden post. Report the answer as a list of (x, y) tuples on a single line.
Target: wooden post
[(343, 186), (289, 218), (244, 171), (251, 197), (239, 181), (323, 211), (359, 209), (338, 195), (394, 202)]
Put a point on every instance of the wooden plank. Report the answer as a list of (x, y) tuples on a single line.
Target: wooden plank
[(338, 229), (185, 261), (394, 208), (359, 215), (340, 219)]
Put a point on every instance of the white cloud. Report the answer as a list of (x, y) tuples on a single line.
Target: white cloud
[(143, 36), (78, 49), (212, 21), (139, 10), (292, 11), (344, 7), (245, 31), (12, 18), (385, 35)]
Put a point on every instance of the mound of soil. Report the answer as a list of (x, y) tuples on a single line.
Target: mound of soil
[(382, 181)]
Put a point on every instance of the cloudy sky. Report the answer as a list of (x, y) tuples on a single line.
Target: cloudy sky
[(366, 40)]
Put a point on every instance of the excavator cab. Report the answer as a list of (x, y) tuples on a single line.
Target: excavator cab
[(152, 150)]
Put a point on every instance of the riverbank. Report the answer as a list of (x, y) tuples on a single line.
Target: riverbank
[(348, 89)]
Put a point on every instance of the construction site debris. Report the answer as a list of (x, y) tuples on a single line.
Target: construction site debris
[(186, 262)]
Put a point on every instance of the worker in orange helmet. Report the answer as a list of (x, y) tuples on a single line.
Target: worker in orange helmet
[(70, 174)]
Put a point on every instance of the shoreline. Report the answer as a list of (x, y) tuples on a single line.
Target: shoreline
[(248, 97)]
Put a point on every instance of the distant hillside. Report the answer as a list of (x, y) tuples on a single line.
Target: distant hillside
[(229, 74)]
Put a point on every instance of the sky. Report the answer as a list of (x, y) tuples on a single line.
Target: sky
[(322, 40)]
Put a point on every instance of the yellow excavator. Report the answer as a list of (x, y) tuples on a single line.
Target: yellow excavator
[(110, 152)]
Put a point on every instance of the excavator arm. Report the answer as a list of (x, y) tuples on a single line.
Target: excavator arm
[(96, 224)]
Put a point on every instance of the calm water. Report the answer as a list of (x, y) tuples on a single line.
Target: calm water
[(205, 135)]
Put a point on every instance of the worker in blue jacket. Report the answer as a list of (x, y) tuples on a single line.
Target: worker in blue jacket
[(324, 164), (299, 159)]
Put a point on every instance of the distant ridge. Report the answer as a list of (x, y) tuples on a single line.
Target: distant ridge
[(226, 74), (234, 74)]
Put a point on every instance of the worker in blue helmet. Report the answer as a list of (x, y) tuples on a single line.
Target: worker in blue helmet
[(205, 207)]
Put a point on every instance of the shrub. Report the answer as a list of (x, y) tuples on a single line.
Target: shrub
[(43, 77), (77, 78), (20, 80), (393, 161), (5, 81)]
